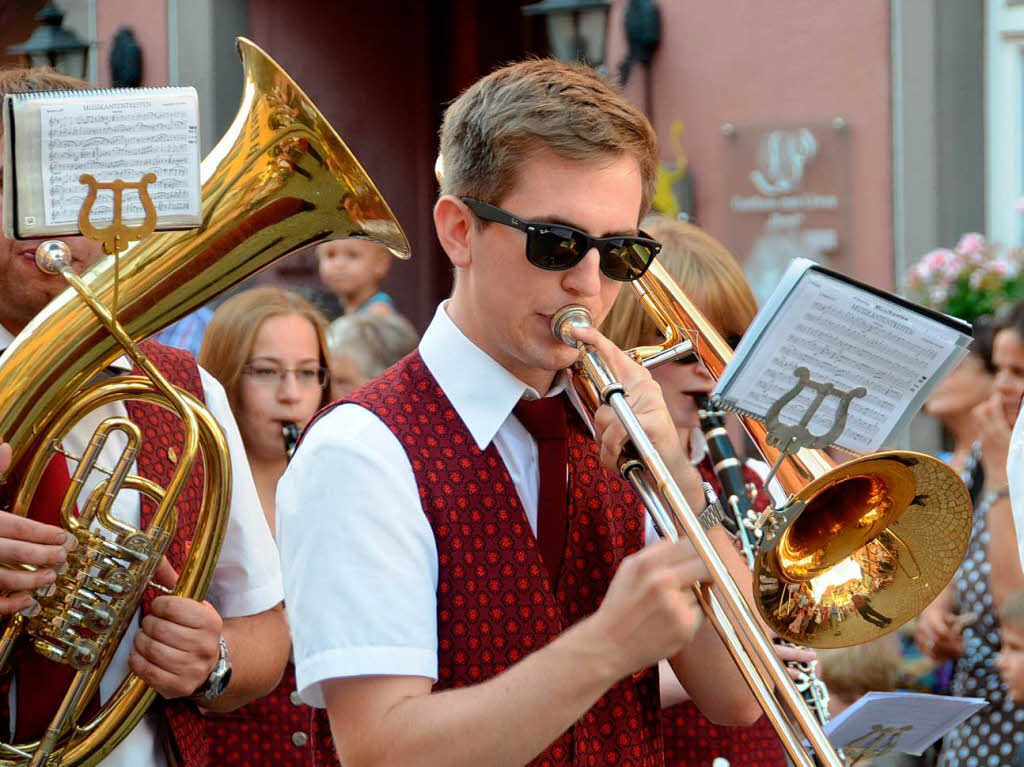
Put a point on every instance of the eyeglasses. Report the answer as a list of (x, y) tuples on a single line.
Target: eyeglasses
[(273, 375), (557, 247)]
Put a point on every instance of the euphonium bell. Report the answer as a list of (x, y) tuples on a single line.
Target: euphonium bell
[(278, 181), (861, 547)]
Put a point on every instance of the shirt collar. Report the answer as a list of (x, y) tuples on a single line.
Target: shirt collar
[(121, 364), (482, 392)]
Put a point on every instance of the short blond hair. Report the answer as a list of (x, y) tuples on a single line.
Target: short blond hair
[(493, 128), (707, 273), (850, 672)]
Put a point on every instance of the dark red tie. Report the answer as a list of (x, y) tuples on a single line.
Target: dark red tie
[(547, 423), (41, 682)]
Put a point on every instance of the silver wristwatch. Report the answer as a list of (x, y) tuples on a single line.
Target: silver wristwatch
[(713, 512), (218, 679)]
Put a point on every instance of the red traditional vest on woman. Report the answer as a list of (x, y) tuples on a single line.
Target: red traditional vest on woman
[(495, 604), (691, 739)]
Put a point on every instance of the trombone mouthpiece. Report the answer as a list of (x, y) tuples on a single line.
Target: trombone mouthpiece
[(568, 317)]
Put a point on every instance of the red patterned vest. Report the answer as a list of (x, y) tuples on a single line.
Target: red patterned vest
[(494, 602), (691, 739), (276, 729)]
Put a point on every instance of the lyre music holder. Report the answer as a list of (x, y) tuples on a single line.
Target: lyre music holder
[(790, 438), (115, 237)]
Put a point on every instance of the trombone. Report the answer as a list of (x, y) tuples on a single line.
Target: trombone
[(900, 520)]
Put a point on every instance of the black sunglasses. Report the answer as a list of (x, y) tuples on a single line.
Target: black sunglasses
[(557, 247)]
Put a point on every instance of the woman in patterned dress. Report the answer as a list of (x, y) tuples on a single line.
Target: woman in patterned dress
[(712, 278), (989, 573), (266, 346)]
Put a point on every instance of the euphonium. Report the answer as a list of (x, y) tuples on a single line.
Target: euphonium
[(279, 180)]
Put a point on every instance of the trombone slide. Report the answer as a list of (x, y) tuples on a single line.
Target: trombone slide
[(671, 514)]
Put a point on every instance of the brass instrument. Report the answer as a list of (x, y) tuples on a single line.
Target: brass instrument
[(856, 552), (740, 520), (275, 183)]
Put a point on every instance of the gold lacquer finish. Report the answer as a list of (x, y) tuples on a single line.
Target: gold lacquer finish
[(869, 543), (278, 181)]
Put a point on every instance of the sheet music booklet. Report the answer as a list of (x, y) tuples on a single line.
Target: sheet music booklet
[(51, 138), (907, 722), (848, 334)]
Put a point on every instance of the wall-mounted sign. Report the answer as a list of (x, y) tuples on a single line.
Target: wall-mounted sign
[(788, 196)]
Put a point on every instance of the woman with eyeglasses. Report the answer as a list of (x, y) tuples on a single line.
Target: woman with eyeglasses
[(266, 347)]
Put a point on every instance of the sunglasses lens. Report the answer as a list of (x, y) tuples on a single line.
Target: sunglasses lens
[(627, 260), (555, 248)]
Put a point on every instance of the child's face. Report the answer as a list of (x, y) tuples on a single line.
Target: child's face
[(1010, 660), (352, 267), (346, 376)]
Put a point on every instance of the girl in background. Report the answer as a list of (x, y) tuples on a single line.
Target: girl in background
[(266, 347)]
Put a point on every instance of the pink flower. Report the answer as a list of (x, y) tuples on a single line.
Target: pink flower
[(971, 243), (937, 258)]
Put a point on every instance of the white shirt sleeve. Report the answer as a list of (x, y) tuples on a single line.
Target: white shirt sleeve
[(247, 579), (358, 554), (1015, 480)]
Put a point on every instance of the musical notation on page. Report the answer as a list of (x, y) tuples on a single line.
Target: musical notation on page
[(110, 134), (849, 335)]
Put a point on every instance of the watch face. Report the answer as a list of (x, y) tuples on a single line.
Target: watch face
[(218, 680)]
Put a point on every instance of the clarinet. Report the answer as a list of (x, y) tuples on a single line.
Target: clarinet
[(738, 502), (290, 434)]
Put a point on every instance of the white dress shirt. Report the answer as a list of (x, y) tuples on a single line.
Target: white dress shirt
[(358, 554), (247, 578), (1015, 479)]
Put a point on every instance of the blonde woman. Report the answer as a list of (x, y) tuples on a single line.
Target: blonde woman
[(710, 276), (266, 347)]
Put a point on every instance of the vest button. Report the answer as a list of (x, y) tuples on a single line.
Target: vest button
[(300, 739), (295, 699)]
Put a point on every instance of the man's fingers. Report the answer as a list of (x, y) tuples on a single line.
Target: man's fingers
[(623, 368), (14, 603), (17, 552), (165, 574), (157, 678), (186, 612), (5, 457), (25, 529), (169, 633), (165, 656), (26, 580)]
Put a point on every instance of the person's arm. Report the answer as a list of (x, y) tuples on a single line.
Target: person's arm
[(1005, 575), (178, 646)]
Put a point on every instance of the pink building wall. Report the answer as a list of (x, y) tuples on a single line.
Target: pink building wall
[(751, 62), (148, 22)]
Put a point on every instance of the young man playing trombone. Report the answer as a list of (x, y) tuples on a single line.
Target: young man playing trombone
[(451, 601)]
